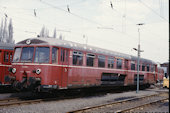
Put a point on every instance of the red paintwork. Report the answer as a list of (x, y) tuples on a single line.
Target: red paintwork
[(4, 65), (160, 74), (66, 75)]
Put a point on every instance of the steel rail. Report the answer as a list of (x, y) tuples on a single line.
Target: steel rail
[(9, 99), (143, 105), (117, 102), (20, 102)]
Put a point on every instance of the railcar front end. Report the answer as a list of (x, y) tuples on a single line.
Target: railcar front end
[(32, 68)]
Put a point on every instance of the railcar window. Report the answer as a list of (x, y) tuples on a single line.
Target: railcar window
[(147, 67), (67, 55), (17, 55), (110, 62), (126, 64), (152, 68), (10, 57), (139, 67), (132, 65), (6, 57), (119, 63), (27, 54), (54, 55), (62, 55), (42, 55), (101, 61), (90, 59), (77, 58), (143, 67)]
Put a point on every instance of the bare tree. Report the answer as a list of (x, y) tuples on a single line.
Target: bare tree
[(44, 32), (6, 34), (61, 37), (10, 32), (1, 31), (55, 34)]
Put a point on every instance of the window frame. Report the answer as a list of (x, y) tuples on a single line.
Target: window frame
[(35, 47), (56, 57), (62, 55), (147, 67), (101, 58), (132, 65), (152, 68), (78, 54), (117, 62), (126, 63), (143, 65), (110, 62), (19, 55), (32, 54), (91, 56), (6, 56)]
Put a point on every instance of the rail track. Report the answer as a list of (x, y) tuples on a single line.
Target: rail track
[(118, 105), (17, 101), (143, 105), (8, 100)]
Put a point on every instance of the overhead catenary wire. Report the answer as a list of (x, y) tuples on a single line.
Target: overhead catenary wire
[(83, 19), (99, 28), (33, 23), (66, 11), (153, 10)]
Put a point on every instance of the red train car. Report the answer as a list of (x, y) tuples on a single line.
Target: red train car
[(160, 75), (6, 53), (48, 63)]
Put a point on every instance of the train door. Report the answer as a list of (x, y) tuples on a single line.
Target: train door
[(64, 69)]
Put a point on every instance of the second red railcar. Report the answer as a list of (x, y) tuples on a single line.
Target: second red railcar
[(6, 53)]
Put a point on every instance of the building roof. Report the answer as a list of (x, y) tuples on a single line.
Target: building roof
[(8, 46), (165, 63)]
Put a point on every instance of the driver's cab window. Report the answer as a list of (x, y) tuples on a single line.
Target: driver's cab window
[(55, 55), (6, 57)]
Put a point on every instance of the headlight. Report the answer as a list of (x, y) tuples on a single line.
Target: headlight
[(38, 71), (14, 70)]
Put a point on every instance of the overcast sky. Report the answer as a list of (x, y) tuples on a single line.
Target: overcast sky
[(100, 24)]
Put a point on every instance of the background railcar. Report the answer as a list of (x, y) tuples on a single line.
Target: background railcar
[(160, 74), (6, 53), (47, 63)]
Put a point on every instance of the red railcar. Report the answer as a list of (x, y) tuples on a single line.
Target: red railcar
[(160, 75), (48, 63), (6, 53)]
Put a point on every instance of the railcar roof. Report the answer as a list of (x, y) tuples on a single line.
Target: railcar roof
[(8, 46), (78, 46), (161, 68)]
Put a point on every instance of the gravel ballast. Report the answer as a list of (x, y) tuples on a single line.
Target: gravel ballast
[(66, 105)]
